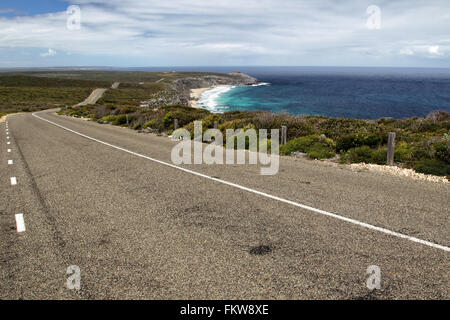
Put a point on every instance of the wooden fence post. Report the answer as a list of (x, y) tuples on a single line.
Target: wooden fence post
[(283, 135), (216, 124), (391, 149), (175, 124), (127, 118)]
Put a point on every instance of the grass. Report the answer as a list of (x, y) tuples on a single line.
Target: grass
[(37, 90), (14, 99), (125, 77), (31, 93)]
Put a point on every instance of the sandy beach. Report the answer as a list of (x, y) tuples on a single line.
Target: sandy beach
[(195, 96)]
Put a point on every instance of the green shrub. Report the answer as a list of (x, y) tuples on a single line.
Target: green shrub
[(433, 166), (317, 147), (320, 151), (154, 124), (234, 124), (403, 152), (241, 134), (109, 118), (208, 122), (268, 143), (301, 144), (442, 151), (380, 155), (120, 119), (168, 119), (359, 154), (350, 141)]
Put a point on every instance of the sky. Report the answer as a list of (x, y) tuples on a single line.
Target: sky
[(145, 33)]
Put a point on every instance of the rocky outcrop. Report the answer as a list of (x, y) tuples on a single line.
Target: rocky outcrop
[(179, 92), (184, 85), (438, 115)]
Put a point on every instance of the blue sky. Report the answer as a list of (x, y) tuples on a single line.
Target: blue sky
[(31, 7), (130, 33)]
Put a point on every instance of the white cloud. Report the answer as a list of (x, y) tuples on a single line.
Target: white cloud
[(197, 32), (434, 50), (407, 51), (49, 53)]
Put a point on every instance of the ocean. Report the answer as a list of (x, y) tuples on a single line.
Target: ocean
[(352, 92)]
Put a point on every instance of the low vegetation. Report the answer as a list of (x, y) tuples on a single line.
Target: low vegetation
[(422, 143), (30, 93)]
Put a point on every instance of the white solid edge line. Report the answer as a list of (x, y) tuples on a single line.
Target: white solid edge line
[(10, 162), (13, 181), (293, 203), (20, 222)]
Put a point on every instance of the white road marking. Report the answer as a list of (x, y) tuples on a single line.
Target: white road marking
[(8, 142), (7, 137), (13, 181), (9, 150), (293, 203), (20, 222), (10, 162)]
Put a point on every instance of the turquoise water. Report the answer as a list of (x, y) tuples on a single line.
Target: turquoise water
[(364, 93)]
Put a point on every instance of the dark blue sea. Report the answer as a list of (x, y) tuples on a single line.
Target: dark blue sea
[(362, 93)]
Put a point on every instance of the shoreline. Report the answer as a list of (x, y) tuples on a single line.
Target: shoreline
[(196, 94)]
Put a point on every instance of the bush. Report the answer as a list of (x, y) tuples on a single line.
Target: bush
[(240, 134), (119, 120), (320, 151), (403, 153), (268, 143), (350, 141), (380, 155), (317, 147), (432, 166), (302, 144), (442, 151), (208, 122), (168, 119), (110, 118), (359, 154), (154, 124)]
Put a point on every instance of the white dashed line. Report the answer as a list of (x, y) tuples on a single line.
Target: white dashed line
[(20, 222), (8, 142), (263, 194), (9, 150), (13, 181), (10, 162)]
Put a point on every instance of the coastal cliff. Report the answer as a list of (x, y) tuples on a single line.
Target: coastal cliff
[(179, 92)]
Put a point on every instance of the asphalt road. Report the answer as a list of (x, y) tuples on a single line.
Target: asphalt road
[(95, 95), (139, 229)]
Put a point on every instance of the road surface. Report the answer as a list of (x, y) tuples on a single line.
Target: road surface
[(93, 97), (107, 200)]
